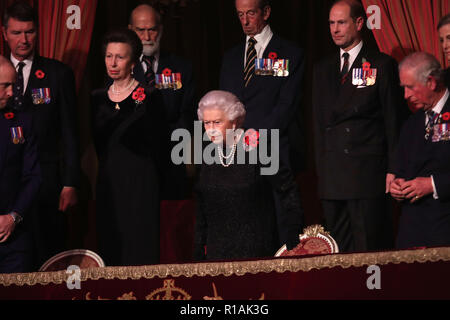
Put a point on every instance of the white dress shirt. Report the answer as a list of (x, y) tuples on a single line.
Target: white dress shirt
[(26, 69), (440, 105), (353, 53), (263, 38)]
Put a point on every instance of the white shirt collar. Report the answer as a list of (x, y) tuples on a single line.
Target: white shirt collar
[(441, 103), (26, 69), (353, 54), (263, 38), (28, 61)]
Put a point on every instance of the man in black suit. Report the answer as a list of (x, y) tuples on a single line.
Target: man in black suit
[(422, 183), (19, 178), (46, 88), (178, 95), (271, 102), (357, 107), (271, 99)]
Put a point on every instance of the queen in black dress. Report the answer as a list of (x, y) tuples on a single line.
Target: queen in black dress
[(126, 131), (236, 216)]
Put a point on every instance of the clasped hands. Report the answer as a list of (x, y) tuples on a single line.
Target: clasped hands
[(6, 227), (412, 190)]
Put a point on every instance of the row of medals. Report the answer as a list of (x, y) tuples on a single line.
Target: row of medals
[(270, 67), (364, 78)]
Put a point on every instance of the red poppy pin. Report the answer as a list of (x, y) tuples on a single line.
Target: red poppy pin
[(139, 95), (273, 55), (366, 66), (9, 115), (446, 116), (40, 74), (167, 72), (251, 139)]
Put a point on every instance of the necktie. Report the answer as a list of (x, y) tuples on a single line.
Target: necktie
[(344, 72), (431, 121), (149, 74), (250, 61), (18, 88)]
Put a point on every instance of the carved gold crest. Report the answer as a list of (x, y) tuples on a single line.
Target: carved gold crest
[(169, 292)]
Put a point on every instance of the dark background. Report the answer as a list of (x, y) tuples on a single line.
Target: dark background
[(201, 31)]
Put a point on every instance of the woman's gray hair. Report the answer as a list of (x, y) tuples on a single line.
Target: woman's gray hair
[(225, 101), (424, 66)]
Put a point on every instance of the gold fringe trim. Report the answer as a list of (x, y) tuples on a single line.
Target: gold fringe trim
[(213, 269)]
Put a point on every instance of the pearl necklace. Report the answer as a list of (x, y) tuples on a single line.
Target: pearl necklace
[(117, 92), (223, 157)]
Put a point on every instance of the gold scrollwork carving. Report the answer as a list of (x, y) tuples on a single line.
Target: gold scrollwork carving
[(236, 268), (125, 296), (169, 292)]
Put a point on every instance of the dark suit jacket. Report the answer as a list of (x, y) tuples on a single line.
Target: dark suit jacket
[(56, 126), (19, 168), (179, 105), (270, 102), (356, 130), (426, 222), (179, 108)]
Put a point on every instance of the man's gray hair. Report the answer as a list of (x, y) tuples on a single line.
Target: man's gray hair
[(225, 101), (424, 65)]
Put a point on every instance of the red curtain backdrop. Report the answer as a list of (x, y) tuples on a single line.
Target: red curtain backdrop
[(410, 25), (56, 40)]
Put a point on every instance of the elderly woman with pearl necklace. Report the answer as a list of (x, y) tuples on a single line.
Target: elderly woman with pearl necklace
[(236, 216)]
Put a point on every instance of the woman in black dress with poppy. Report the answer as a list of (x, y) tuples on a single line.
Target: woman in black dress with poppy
[(126, 130)]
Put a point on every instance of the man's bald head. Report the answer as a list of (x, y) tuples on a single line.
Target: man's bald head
[(145, 11), (7, 80), (146, 22)]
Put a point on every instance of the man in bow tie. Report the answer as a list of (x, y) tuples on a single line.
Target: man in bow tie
[(179, 106), (422, 183)]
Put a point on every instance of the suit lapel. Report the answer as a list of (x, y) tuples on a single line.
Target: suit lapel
[(163, 62), (330, 82), (334, 79), (347, 91), (238, 69), (33, 81), (274, 45)]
